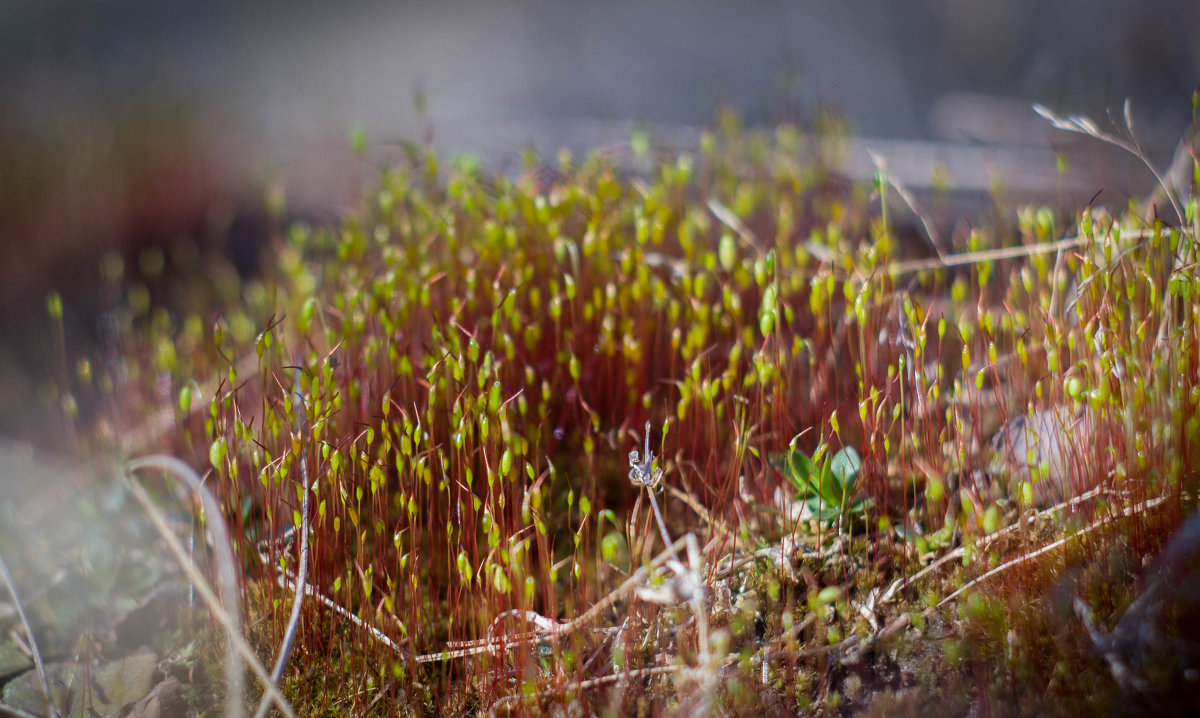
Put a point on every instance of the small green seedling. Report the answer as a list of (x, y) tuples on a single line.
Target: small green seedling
[(825, 485)]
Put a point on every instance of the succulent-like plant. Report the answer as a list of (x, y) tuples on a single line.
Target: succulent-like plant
[(824, 485)]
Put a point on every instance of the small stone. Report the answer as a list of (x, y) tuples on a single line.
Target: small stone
[(99, 691), (167, 699), (157, 613), (1053, 449)]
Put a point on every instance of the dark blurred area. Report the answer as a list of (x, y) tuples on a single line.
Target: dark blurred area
[(135, 124)]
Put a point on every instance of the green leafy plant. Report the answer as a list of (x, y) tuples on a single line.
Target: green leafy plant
[(826, 485)]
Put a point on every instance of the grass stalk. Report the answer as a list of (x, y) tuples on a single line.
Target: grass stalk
[(226, 563), (34, 651)]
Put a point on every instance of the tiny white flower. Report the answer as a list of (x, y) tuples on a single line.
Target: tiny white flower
[(644, 473)]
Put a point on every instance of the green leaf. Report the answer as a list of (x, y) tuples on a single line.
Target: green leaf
[(845, 468), (822, 509), (831, 490), (798, 467), (800, 471)]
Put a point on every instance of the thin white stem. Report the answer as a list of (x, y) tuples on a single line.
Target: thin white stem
[(662, 526), (33, 645), (289, 637)]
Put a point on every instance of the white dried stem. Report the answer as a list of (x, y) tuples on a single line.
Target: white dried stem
[(33, 644)]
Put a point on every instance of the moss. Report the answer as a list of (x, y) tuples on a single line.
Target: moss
[(462, 364)]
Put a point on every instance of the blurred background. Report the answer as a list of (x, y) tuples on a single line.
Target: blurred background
[(135, 124)]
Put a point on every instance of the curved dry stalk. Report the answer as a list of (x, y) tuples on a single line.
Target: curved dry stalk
[(558, 630), (931, 233), (1178, 175), (588, 684), (896, 269), (33, 645), (226, 565), (316, 595), (1082, 125), (986, 541), (228, 622), (16, 712), (1085, 126), (1128, 511), (726, 217)]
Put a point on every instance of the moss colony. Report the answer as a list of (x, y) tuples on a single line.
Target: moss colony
[(856, 451)]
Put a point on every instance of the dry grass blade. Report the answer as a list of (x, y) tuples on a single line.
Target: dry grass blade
[(931, 233), (991, 538), (1084, 126), (226, 564), (726, 217), (507, 701), (1129, 511), (987, 255), (227, 621), (990, 255), (313, 593), (33, 644)]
